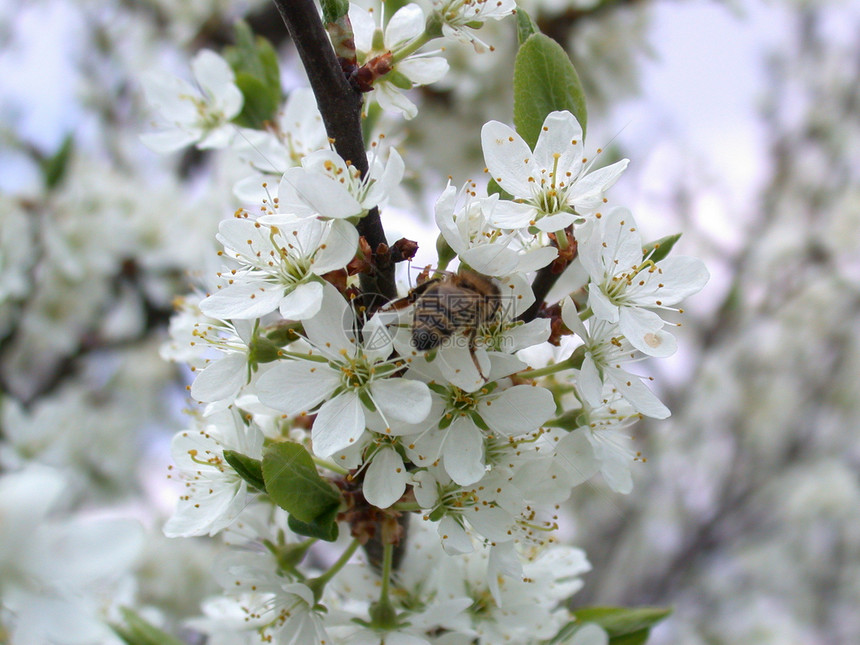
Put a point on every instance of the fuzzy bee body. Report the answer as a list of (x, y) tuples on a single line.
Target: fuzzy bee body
[(456, 303)]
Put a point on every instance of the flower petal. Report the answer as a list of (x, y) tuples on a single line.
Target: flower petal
[(302, 302), (464, 452), (455, 540), (385, 479), (517, 410), (560, 135), (244, 299), (339, 424), (508, 158), (403, 399), (221, 379), (297, 386)]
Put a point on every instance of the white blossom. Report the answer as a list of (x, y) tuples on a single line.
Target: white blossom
[(606, 350), (626, 287), (57, 574), (328, 186), (346, 376), (484, 247), (461, 17), (214, 494), (402, 30), (553, 186), (192, 116), (279, 266)]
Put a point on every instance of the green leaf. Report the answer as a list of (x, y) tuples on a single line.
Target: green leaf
[(639, 637), (544, 80), (293, 483), (248, 468), (525, 26), (323, 527), (623, 621), (54, 167), (493, 188), (659, 249), (137, 631), (260, 104), (255, 63), (334, 9)]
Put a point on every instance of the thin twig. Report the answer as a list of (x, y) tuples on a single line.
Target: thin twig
[(340, 106)]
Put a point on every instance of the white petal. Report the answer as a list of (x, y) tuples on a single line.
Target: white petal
[(221, 379), (303, 302), (502, 365), (385, 480), (320, 193), (621, 246), (537, 259), (588, 191), (491, 521), (518, 410), (219, 137), (601, 305), (327, 330), (296, 386), (392, 99), (682, 277), (378, 337), (508, 214), (401, 398), (216, 78), (424, 70), (170, 96), (503, 561), (207, 514), (458, 367), (339, 424), (576, 455), (83, 552), (571, 320), (492, 259), (244, 237), (617, 475), (556, 222), (639, 396), (455, 540), (407, 23), (643, 329), (424, 488), (508, 158), (590, 382), (340, 246), (168, 141), (589, 634), (533, 332), (464, 452), (561, 135), (243, 299)]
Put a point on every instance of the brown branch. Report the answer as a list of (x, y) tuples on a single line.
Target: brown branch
[(340, 106)]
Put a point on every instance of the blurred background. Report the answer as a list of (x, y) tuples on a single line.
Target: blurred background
[(742, 123)]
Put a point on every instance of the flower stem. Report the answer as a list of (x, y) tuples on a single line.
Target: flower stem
[(412, 47), (317, 585), (387, 559), (322, 463), (573, 362)]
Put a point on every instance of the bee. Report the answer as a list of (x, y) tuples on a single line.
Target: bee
[(455, 303)]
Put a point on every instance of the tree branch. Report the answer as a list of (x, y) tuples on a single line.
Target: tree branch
[(340, 106)]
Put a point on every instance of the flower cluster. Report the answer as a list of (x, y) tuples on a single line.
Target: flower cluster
[(354, 415)]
